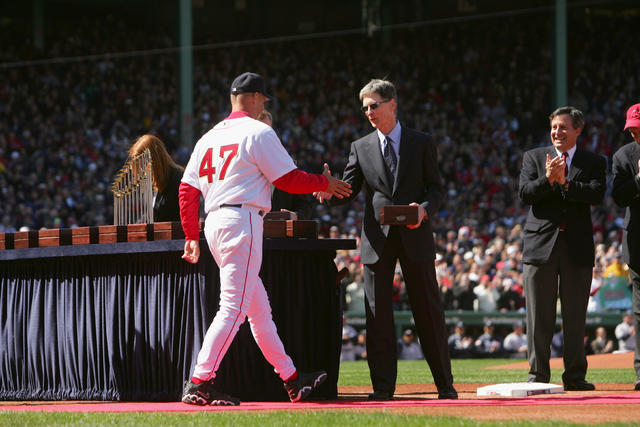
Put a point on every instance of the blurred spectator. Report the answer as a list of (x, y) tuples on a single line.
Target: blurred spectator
[(487, 296), (354, 291), (515, 344), (460, 344), (349, 334), (5, 226), (616, 267), (408, 347), (446, 296), (600, 343), (510, 299), (488, 344), (596, 282), (398, 292), (626, 333), (360, 348), (557, 344), (463, 293), (464, 240)]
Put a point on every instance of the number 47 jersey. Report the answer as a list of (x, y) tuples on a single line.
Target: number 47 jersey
[(235, 163)]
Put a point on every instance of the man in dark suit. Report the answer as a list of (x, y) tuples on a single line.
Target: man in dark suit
[(395, 165), (626, 193), (301, 204), (560, 182)]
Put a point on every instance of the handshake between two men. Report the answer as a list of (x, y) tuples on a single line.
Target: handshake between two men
[(336, 187)]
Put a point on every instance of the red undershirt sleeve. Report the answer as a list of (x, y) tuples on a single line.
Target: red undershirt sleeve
[(189, 200), (301, 182)]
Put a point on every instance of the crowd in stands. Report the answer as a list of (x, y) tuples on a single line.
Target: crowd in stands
[(489, 343), (65, 127)]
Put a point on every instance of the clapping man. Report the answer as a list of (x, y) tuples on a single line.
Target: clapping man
[(561, 182)]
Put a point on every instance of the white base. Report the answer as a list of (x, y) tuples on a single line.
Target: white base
[(519, 389)]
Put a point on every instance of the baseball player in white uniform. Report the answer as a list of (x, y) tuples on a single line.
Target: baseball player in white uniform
[(233, 166)]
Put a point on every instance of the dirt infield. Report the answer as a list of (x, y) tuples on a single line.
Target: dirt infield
[(595, 361)]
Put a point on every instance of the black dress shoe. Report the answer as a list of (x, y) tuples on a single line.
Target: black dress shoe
[(580, 385), (637, 386), (447, 393), (381, 395)]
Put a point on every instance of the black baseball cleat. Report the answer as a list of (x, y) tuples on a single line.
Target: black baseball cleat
[(637, 386), (300, 388), (205, 394)]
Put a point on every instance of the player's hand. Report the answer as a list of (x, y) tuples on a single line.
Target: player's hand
[(422, 216), (191, 251), (336, 187), (638, 167), (322, 196)]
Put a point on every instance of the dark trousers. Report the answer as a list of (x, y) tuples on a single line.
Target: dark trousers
[(542, 284), (635, 289), (428, 315)]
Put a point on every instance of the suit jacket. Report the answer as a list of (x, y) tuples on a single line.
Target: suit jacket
[(551, 206), (626, 193), (418, 180), (298, 203), (166, 206)]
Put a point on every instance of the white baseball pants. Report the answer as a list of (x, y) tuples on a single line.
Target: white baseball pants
[(234, 236)]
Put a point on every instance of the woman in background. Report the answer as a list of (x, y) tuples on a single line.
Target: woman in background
[(166, 178)]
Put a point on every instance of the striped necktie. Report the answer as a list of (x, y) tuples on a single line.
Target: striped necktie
[(389, 155)]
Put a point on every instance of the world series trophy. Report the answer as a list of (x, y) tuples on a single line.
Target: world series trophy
[(133, 191)]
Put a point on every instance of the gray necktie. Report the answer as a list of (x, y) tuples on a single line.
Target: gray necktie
[(389, 155)]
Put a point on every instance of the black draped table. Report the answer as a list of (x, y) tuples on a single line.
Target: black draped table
[(124, 321)]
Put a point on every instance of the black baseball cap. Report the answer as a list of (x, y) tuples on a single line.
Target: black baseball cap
[(249, 83)]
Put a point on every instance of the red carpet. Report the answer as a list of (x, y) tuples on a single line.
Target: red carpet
[(633, 398)]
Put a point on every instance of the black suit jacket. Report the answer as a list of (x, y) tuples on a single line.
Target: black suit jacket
[(301, 204), (626, 193), (166, 206), (418, 180), (551, 206)]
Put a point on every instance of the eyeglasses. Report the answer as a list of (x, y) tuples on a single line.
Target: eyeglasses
[(373, 106)]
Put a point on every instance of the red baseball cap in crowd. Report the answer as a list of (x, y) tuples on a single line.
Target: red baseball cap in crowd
[(633, 117)]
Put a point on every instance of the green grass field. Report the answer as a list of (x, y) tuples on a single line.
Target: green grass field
[(471, 371), (351, 373)]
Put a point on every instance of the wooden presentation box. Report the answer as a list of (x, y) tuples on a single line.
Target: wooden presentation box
[(290, 228), (280, 215), (91, 235), (399, 215)]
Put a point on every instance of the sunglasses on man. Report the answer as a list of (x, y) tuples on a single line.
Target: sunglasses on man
[(373, 106)]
